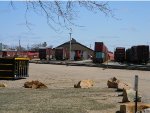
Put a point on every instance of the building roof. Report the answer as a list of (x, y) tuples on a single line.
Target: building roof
[(73, 41)]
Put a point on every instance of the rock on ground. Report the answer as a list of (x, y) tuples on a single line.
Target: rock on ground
[(129, 96), (147, 110), (34, 85), (3, 85), (113, 82), (122, 85), (130, 107), (84, 84)]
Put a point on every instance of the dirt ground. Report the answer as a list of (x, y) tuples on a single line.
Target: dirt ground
[(62, 76)]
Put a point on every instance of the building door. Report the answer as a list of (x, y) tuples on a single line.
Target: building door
[(72, 55), (85, 55)]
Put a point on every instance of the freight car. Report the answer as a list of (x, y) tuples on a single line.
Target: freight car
[(138, 54), (100, 53), (61, 53), (45, 53), (119, 54)]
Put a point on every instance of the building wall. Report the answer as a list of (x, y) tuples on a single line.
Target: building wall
[(85, 54), (75, 46)]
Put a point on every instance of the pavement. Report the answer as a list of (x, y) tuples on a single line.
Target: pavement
[(89, 63)]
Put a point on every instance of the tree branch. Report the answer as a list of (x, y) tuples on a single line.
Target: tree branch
[(61, 13)]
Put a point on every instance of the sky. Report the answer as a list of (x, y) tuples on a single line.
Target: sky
[(131, 26)]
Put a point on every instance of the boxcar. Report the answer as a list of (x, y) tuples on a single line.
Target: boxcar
[(138, 54), (100, 53), (119, 54)]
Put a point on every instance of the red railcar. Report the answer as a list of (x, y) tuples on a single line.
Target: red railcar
[(138, 54), (100, 53), (32, 54), (61, 54), (119, 54), (99, 46), (45, 53)]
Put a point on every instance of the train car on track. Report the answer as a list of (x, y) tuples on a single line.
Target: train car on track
[(119, 54), (138, 54), (100, 52)]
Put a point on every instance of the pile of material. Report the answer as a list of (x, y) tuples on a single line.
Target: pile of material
[(84, 84), (34, 84)]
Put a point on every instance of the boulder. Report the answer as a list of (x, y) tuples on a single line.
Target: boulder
[(129, 96), (2, 85), (84, 84), (147, 110), (122, 85), (130, 107), (34, 85), (28, 84), (113, 82)]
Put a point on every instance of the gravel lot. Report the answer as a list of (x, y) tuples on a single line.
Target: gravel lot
[(62, 77)]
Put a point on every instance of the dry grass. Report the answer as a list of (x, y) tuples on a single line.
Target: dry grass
[(61, 97), (67, 100)]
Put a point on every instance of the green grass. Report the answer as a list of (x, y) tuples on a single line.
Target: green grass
[(67, 100)]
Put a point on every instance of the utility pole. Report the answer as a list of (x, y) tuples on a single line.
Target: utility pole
[(90, 46), (1, 46), (70, 45), (19, 48)]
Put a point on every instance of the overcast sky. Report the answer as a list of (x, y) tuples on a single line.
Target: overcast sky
[(132, 26)]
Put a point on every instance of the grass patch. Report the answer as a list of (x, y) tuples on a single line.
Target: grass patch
[(51, 100)]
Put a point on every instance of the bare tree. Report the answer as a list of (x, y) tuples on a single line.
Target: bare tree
[(4, 46), (62, 13), (38, 45)]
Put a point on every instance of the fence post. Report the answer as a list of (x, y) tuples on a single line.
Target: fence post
[(136, 91)]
